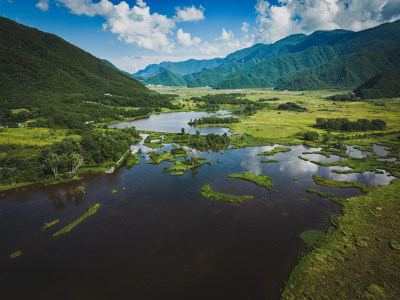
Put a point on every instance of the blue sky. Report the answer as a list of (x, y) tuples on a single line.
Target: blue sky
[(134, 33)]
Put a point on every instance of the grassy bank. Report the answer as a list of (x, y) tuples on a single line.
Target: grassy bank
[(323, 181), (357, 259)]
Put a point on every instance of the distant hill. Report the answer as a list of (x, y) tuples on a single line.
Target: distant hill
[(384, 85), (115, 68), (165, 78), (323, 59), (179, 68), (38, 67)]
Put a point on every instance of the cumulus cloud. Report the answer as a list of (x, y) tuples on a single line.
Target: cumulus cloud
[(245, 27), (185, 39), (227, 43), (299, 16), (189, 14), (43, 5), (136, 25)]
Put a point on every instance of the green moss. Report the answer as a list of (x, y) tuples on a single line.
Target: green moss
[(274, 151), (91, 210), (310, 237), (321, 194), (15, 254), (261, 180), (269, 160), (323, 181), (208, 193), (47, 225)]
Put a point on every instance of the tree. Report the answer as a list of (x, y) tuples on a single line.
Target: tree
[(76, 161), (52, 161), (183, 131), (311, 136)]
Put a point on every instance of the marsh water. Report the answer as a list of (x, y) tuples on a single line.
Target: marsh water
[(159, 238), (173, 122)]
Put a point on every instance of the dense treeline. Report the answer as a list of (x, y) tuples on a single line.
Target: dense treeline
[(77, 115), (203, 142), (342, 97), (291, 106), (344, 124), (233, 99), (62, 160), (213, 120)]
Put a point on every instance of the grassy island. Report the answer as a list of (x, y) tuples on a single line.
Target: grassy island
[(323, 181), (91, 210), (15, 254), (274, 151), (208, 193), (48, 225), (261, 180), (267, 161), (321, 194)]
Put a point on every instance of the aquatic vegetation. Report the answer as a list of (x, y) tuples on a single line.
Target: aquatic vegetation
[(186, 165), (323, 181), (91, 210), (275, 150), (269, 161), (47, 225), (157, 158), (208, 193), (80, 189), (310, 237), (132, 160), (303, 158), (321, 194), (15, 254), (176, 174), (261, 180)]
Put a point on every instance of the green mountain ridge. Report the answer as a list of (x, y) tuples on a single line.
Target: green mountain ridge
[(165, 78), (384, 85), (40, 67)]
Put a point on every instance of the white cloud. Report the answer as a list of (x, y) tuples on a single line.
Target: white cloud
[(189, 14), (185, 39), (245, 27), (226, 44), (134, 25), (43, 5), (299, 16)]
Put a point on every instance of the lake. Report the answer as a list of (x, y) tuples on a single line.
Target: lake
[(160, 239), (173, 123)]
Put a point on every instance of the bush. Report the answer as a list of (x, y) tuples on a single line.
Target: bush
[(311, 136)]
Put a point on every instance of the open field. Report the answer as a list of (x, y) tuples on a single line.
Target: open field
[(33, 136)]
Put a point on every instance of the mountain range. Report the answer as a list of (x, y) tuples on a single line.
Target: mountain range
[(323, 59)]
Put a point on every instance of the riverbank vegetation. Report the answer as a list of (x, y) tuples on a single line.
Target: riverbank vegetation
[(355, 260), (261, 180), (48, 225), (91, 210), (208, 193)]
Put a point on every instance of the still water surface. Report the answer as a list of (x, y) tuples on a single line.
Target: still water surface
[(173, 122), (160, 239)]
